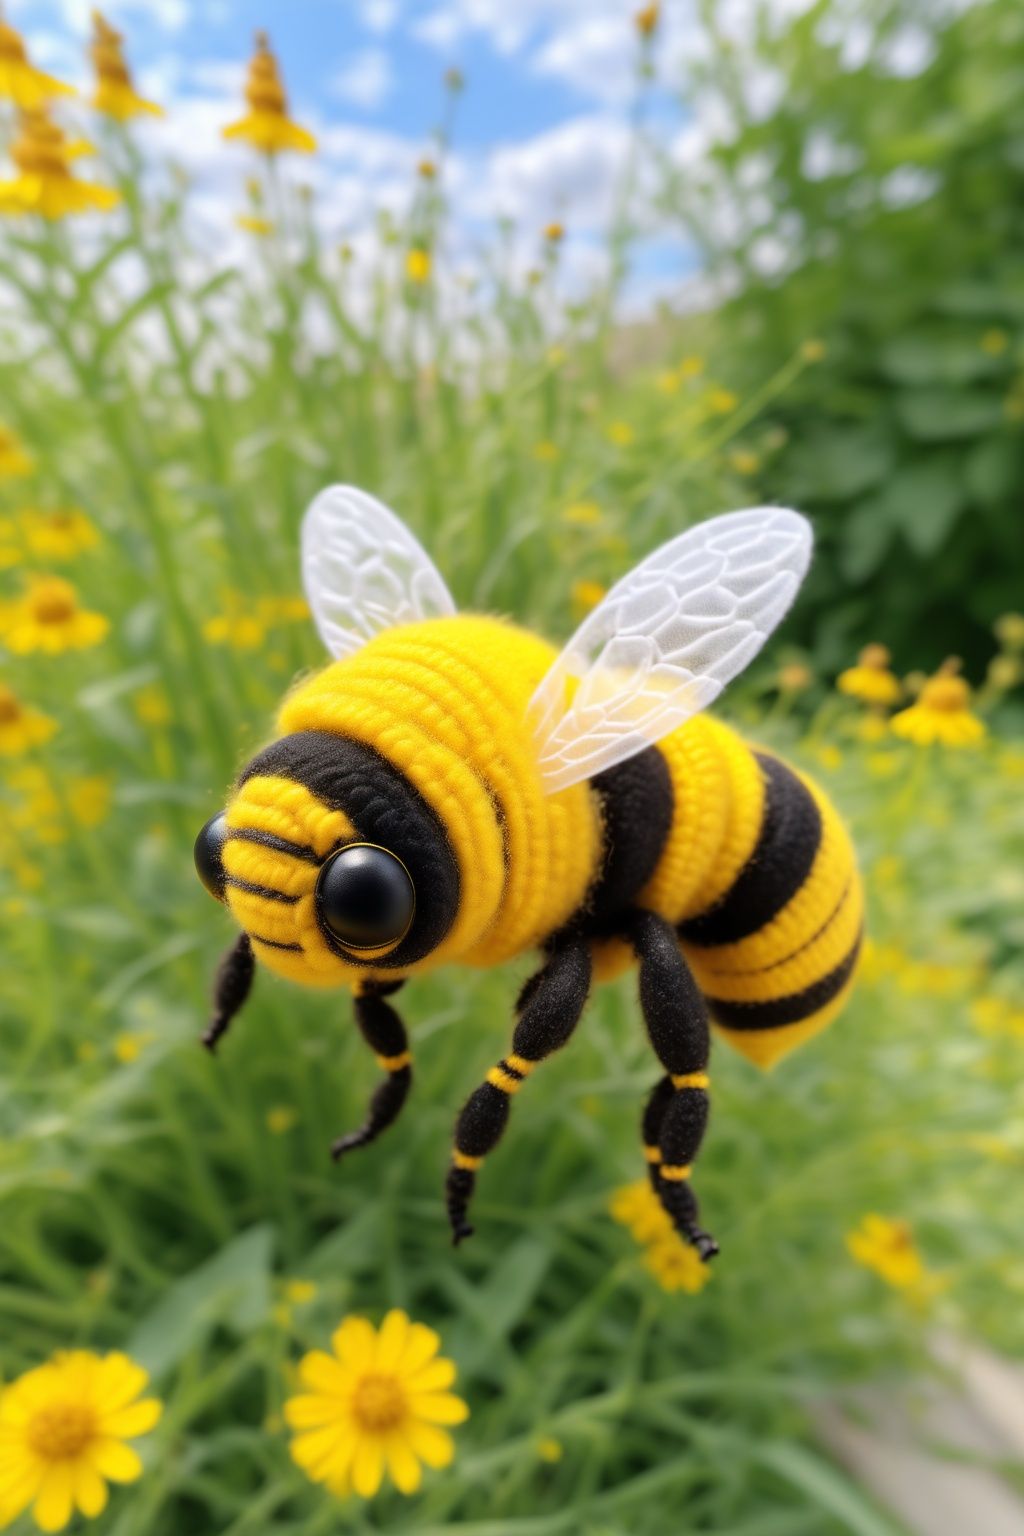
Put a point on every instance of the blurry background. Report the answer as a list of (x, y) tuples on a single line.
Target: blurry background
[(554, 281)]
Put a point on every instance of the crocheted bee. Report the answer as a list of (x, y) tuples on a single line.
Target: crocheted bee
[(451, 789)]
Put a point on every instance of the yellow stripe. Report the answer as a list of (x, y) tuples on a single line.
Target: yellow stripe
[(676, 1171), (520, 1064), (503, 1080), (691, 1080), (395, 1063), (652, 1154), (463, 1160)]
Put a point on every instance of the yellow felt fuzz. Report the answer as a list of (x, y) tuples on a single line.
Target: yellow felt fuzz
[(767, 1047), (445, 702)]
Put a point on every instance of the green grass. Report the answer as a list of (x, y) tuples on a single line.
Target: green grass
[(146, 1204)]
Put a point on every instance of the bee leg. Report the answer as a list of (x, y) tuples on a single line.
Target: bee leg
[(548, 1008), (677, 1111), (230, 989), (384, 1033)]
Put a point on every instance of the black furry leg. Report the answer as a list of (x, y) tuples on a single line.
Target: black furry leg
[(230, 989), (549, 1008), (384, 1033), (677, 1112)]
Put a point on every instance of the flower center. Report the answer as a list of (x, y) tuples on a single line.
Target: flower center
[(61, 1430), (10, 709), (52, 602), (379, 1402)]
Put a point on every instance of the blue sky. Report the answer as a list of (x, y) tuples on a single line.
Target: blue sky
[(541, 130)]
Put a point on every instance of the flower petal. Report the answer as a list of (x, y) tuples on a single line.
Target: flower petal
[(52, 1509), (353, 1342), (438, 1407), (311, 1411), (403, 1466), (434, 1446), (117, 1381), (323, 1452), (136, 1419), (320, 1372), (21, 1483), (421, 1347), (367, 1466), (89, 1488), (435, 1376), (115, 1460), (391, 1340)]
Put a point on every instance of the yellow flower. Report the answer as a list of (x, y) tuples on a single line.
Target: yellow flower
[(829, 756), (872, 728), (152, 706), (646, 21), (554, 233), (44, 813), (887, 1248), (668, 381), (871, 680), (128, 1048), (691, 367), (794, 677), (377, 1402), (115, 95), (426, 169), (234, 627), (620, 433), (549, 1449), (64, 1428), (44, 184), (546, 452), (14, 461), (677, 1266), (58, 535), (254, 224), (1009, 631), (637, 1208), (281, 1119), (21, 728), (417, 265), (722, 401), (744, 461), (20, 81), (942, 713), (283, 610), (994, 342), (586, 595), (300, 1292), (48, 619), (813, 350), (1003, 673), (582, 514), (266, 125)]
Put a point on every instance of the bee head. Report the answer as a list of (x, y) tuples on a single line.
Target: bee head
[(331, 862)]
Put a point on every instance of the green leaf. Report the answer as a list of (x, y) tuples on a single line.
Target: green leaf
[(939, 355), (866, 540), (231, 1291), (936, 415), (838, 463), (994, 470), (827, 1488), (923, 500)]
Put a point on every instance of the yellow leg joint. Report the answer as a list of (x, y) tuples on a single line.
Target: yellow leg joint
[(652, 1154), (520, 1064), (499, 1078), (463, 1160), (395, 1063), (691, 1080), (676, 1171)]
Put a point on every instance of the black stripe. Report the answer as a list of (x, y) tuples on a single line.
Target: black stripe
[(791, 1009), (759, 970), (274, 943), (780, 863), (636, 816), (503, 1066), (259, 890), (385, 809), (268, 840)]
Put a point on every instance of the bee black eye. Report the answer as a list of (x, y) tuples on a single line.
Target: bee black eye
[(365, 897), (207, 854)]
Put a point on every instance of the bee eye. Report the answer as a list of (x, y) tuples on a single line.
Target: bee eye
[(365, 897), (207, 854)]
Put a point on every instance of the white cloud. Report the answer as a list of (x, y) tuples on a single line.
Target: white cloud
[(366, 79), (378, 15)]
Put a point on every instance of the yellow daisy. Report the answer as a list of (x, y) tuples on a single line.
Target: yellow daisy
[(887, 1248), (266, 125), (871, 680), (941, 714), (63, 1433), (115, 95), (14, 461), (20, 81), (677, 1266), (48, 619), (417, 265), (377, 1403), (58, 535), (636, 1207), (44, 183), (21, 728)]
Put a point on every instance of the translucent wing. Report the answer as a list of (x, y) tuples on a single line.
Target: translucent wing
[(363, 571), (666, 640)]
